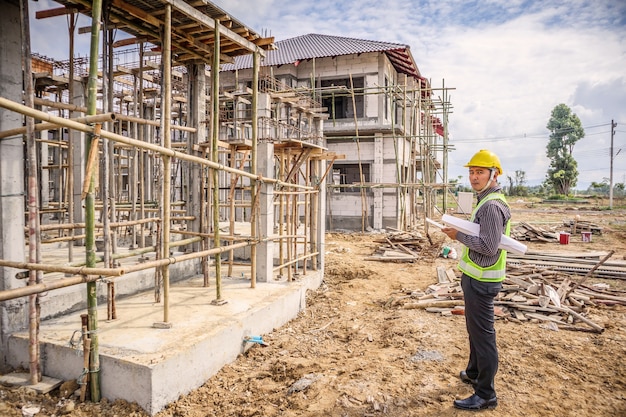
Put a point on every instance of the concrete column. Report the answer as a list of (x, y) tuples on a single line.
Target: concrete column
[(197, 116), (79, 157), (265, 250), (13, 313), (377, 178), (265, 168), (320, 233)]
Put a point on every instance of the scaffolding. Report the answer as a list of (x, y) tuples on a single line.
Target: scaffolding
[(141, 147), (151, 152), (421, 147)]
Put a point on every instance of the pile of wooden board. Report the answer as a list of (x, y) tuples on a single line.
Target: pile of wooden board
[(403, 246), (530, 293), (576, 263), (577, 226), (525, 231)]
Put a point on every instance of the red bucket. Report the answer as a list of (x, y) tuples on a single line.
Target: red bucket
[(586, 236), (564, 238)]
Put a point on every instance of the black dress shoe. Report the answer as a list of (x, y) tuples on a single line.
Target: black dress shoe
[(467, 379), (475, 403)]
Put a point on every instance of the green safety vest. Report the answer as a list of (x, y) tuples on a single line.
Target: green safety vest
[(495, 272)]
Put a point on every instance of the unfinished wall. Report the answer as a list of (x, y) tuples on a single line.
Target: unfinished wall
[(12, 313)]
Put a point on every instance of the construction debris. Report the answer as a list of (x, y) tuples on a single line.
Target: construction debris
[(579, 263), (401, 246), (530, 293), (527, 232), (576, 226)]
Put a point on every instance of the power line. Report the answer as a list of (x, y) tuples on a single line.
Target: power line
[(527, 136)]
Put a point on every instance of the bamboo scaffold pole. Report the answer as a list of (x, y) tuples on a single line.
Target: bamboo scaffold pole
[(72, 20), (231, 204), (127, 118), (104, 117), (20, 108), (215, 70), (314, 199), (86, 275), (107, 152), (254, 218), (293, 224), (307, 214), (34, 243), (414, 154), (358, 148), (166, 114), (406, 161), (445, 144), (289, 221), (399, 161), (90, 254), (281, 210)]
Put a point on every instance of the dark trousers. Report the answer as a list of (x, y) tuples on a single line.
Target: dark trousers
[(479, 319)]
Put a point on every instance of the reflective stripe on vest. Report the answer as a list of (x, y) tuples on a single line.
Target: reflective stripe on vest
[(495, 272)]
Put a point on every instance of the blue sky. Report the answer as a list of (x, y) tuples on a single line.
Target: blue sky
[(509, 63)]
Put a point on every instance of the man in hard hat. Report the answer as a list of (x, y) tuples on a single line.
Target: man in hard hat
[(483, 266)]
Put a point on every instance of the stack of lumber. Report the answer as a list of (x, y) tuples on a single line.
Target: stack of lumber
[(577, 263), (525, 231), (403, 246), (578, 225), (529, 294)]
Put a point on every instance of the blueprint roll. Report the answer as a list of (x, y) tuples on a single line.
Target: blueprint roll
[(473, 229)]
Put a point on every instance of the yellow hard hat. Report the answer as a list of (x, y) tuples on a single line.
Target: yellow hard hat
[(485, 159)]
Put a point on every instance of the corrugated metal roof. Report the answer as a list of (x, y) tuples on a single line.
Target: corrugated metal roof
[(193, 25), (313, 45)]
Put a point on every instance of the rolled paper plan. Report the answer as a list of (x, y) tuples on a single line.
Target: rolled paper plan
[(473, 229)]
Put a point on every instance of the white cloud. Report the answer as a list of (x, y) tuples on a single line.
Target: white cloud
[(509, 62)]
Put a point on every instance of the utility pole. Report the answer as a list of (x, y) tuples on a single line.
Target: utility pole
[(613, 126)]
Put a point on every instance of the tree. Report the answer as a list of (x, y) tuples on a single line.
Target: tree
[(600, 187), (566, 130), (516, 185), (603, 187)]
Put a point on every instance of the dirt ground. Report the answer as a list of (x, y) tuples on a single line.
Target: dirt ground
[(353, 353)]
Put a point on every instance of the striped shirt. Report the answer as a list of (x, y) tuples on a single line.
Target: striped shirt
[(492, 217)]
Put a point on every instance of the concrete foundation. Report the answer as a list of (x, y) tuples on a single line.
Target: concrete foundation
[(154, 366)]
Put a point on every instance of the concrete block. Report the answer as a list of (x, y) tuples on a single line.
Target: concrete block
[(153, 367)]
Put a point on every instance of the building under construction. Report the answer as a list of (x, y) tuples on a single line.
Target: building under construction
[(140, 171)]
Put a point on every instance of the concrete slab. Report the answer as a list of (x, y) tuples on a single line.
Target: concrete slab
[(22, 379), (153, 366)]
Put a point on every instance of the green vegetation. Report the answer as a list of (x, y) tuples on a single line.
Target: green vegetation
[(602, 188), (516, 185), (566, 129)]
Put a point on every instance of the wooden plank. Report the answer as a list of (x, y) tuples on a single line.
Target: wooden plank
[(60, 11), (451, 275), (442, 277), (543, 317)]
